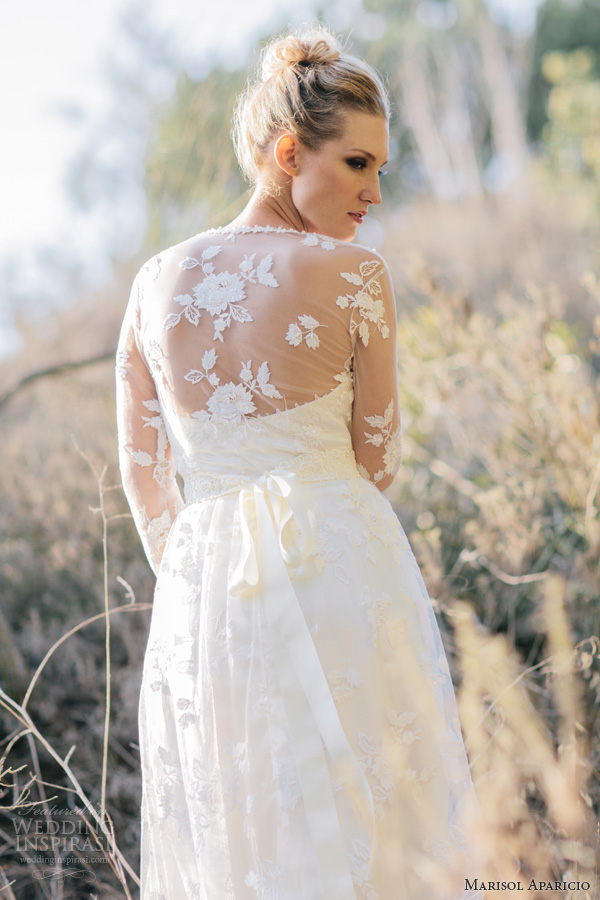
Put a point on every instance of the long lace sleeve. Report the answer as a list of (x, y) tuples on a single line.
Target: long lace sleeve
[(376, 434), (145, 457)]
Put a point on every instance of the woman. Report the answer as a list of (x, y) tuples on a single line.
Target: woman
[(298, 725)]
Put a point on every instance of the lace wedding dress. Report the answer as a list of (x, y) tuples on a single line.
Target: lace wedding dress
[(298, 727)]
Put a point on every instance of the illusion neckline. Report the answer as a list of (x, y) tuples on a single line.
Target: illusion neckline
[(279, 229)]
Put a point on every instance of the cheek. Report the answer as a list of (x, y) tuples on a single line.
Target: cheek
[(335, 185), (319, 189)]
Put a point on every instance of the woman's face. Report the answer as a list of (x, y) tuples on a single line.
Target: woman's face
[(333, 187)]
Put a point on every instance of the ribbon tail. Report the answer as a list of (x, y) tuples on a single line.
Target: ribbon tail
[(246, 574)]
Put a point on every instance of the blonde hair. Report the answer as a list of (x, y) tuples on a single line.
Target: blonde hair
[(304, 84)]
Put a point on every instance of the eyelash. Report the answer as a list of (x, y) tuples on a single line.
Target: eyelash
[(362, 165)]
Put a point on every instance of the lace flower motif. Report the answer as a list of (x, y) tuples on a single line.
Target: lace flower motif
[(230, 403), (391, 441), (220, 294), (233, 402), (367, 301), (305, 331)]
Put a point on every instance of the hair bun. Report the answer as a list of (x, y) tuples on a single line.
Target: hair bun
[(315, 48)]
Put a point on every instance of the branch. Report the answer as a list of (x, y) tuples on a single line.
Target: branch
[(54, 370)]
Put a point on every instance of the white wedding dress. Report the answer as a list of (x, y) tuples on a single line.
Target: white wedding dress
[(298, 727)]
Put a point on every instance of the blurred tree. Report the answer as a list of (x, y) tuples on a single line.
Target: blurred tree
[(191, 171), (571, 136), (459, 99), (561, 25), (106, 179)]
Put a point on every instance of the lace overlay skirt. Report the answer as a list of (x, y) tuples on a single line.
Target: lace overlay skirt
[(298, 724)]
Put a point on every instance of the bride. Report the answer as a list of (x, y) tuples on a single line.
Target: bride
[(298, 727)]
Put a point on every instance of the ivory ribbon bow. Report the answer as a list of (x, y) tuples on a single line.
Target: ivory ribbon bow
[(268, 507)]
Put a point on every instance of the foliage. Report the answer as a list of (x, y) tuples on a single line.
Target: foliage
[(563, 27), (571, 136), (502, 428), (191, 171)]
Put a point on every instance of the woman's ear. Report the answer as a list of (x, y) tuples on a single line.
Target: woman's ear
[(285, 153)]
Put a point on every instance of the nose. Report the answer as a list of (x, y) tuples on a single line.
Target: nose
[(371, 193)]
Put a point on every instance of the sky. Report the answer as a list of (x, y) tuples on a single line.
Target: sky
[(51, 58), (53, 55)]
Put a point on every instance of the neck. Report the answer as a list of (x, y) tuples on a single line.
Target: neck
[(266, 208)]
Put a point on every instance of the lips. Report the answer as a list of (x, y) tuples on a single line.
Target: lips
[(357, 216)]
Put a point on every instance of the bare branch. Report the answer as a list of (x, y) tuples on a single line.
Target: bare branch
[(58, 369)]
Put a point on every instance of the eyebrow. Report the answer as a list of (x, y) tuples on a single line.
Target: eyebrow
[(366, 153)]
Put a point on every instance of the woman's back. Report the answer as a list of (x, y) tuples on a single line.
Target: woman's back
[(285, 299), (232, 326)]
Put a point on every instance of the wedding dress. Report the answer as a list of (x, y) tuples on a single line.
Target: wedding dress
[(298, 727)]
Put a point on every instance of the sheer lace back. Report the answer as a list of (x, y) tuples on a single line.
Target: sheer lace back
[(240, 327), (235, 325)]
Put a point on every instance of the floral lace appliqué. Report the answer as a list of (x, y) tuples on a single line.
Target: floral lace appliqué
[(233, 402), (376, 610), (265, 882), (153, 265), (142, 457), (360, 858), (316, 240), (375, 762), (367, 301), (391, 440), (209, 359), (399, 723), (220, 294), (305, 331), (121, 368), (343, 684)]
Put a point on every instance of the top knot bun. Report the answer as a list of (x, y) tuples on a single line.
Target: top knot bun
[(314, 48)]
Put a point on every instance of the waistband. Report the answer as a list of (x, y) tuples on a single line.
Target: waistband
[(322, 465)]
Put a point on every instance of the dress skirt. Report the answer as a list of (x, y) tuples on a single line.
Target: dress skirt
[(298, 725)]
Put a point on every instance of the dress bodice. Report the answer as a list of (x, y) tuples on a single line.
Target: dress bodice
[(312, 440), (244, 350)]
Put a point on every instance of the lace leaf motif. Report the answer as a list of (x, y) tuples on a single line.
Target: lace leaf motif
[(305, 331), (142, 457), (391, 441), (195, 376)]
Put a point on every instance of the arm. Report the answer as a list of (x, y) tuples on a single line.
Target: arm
[(376, 436), (145, 456)]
